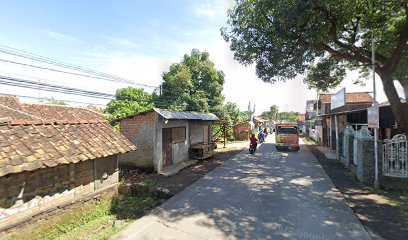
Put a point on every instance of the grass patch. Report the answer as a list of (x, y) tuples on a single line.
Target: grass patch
[(399, 198), (149, 183), (307, 140), (351, 175), (94, 219)]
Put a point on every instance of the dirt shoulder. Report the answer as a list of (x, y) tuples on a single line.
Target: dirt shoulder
[(189, 175), (383, 212)]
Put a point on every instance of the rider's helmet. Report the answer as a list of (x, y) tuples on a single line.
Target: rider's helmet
[(253, 135)]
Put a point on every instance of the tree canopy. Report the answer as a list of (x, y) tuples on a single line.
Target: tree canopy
[(322, 38), (194, 84), (272, 114), (129, 101), (231, 113)]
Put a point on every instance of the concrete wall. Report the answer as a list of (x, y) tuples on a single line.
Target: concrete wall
[(140, 130), (180, 151), (26, 194), (365, 161)]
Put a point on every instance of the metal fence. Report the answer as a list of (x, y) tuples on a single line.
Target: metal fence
[(395, 157)]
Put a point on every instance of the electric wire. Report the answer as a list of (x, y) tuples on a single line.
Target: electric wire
[(50, 61)]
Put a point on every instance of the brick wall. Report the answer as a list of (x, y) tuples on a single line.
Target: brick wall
[(140, 130), (28, 193)]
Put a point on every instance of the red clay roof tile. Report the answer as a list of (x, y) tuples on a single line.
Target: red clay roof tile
[(39, 136)]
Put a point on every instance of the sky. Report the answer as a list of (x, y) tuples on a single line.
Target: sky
[(137, 40)]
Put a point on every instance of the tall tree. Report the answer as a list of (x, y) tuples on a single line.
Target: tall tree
[(274, 110), (231, 113), (129, 101), (284, 37), (193, 84)]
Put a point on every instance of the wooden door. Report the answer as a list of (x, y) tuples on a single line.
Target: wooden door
[(206, 138), (167, 143)]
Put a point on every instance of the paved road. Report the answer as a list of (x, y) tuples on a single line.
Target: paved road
[(272, 195)]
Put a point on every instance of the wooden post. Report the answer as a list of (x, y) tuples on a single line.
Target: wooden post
[(225, 135)]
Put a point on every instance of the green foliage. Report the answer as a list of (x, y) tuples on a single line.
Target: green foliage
[(129, 101), (231, 113), (292, 117), (283, 38), (325, 75), (246, 115), (194, 84), (53, 101), (272, 114), (149, 182)]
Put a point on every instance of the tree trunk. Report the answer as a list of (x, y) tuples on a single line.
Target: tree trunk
[(400, 113)]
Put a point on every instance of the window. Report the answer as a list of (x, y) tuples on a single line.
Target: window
[(283, 131), (178, 134)]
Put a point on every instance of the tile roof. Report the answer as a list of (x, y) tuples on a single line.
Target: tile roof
[(350, 97), (53, 136), (260, 119), (11, 108)]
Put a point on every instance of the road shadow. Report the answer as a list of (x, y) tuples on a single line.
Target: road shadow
[(269, 195)]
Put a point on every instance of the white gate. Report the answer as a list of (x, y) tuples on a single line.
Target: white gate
[(363, 133), (395, 157)]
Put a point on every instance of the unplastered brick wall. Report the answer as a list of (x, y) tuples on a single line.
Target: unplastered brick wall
[(140, 130), (28, 193)]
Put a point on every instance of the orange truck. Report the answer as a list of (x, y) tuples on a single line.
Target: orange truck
[(287, 137)]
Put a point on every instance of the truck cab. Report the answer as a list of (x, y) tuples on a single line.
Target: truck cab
[(287, 137)]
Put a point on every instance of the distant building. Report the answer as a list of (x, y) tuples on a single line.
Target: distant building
[(53, 155), (324, 120), (243, 131)]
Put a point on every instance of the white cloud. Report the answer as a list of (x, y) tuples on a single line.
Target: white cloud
[(122, 42), (205, 9), (62, 37)]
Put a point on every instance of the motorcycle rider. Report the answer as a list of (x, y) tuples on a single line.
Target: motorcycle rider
[(261, 136), (253, 142)]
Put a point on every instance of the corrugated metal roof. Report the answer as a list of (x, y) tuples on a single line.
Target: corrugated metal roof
[(169, 114)]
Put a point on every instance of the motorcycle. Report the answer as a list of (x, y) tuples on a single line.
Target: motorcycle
[(252, 148)]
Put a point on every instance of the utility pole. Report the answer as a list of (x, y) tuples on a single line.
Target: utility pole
[(376, 183)]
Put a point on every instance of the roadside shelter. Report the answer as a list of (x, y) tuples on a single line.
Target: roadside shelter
[(166, 138)]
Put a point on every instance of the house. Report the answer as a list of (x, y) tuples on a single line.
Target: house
[(260, 123), (353, 143), (243, 131), (53, 155), (166, 138), (325, 121)]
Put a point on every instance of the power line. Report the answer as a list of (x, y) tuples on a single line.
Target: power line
[(17, 82), (38, 58), (71, 73), (44, 98), (53, 88)]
